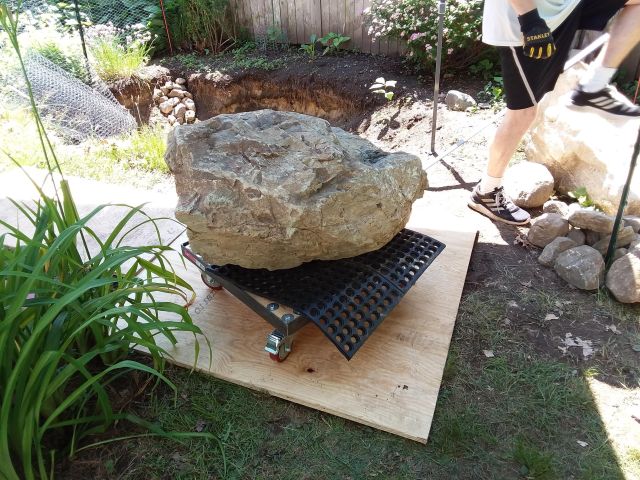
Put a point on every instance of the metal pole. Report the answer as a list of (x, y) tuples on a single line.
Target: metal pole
[(436, 86), (623, 203), (81, 31)]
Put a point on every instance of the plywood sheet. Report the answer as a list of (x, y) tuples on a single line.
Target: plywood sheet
[(391, 384)]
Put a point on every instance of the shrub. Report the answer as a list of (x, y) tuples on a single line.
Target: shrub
[(205, 26), (114, 61), (416, 22)]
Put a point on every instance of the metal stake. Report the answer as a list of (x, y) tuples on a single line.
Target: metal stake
[(436, 86), (81, 31), (623, 203)]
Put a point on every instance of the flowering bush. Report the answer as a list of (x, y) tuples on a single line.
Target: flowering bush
[(416, 22)]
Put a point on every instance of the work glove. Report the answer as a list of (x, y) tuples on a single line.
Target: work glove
[(538, 41)]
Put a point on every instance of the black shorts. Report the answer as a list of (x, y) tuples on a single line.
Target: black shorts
[(540, 76)]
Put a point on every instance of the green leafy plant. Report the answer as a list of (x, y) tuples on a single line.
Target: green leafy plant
[(70, 316), (493, 92), (332, 41), (485, 69), (381, 87), (310, 48), (416, 23), (114, 60), (582, 197), (70, 63)]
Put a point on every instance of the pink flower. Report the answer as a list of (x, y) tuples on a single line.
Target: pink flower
[(416, 36)]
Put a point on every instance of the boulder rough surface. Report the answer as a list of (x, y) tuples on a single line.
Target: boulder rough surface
[(582, 267), (271, 189), (552, 250), (547, 227), (592, 220), (529, 184), (585, 149), (623, 278)]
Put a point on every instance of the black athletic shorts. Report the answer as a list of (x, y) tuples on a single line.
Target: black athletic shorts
[(526, 80)]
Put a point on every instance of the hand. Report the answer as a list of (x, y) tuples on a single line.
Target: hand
[(538, 40)]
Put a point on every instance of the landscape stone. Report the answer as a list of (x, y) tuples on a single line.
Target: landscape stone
[(174, 101), (176, 93), (181, 81), (556, 206), (157, 93), (165, 90), (620, 252), (171, 119), (592, 220), (458, 101), (553, 249), (528, 184), (166, 107), (582, 267), (623, 278), (633, 222), (188, 94), (625, 237), (162, 99), (179, 111), (584, 149), (547, 227), (273, 189), (578, 236), (190, 116), (190, 104), (591, 237)]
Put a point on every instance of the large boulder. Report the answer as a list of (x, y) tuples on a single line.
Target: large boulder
[(270, 189), (583, 148), (582, 267), (623, 278)]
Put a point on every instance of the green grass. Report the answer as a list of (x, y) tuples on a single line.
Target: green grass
[(113, 61), (113, 160)]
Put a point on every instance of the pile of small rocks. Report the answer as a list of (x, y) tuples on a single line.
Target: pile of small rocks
[(574, 242), (175, 102)]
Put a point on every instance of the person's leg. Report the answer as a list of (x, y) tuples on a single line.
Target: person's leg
[(593, 89)]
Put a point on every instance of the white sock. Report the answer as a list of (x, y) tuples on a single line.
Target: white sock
[(489, 184), (596, 78)]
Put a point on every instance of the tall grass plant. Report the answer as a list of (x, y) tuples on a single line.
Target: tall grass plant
[(71, 315)]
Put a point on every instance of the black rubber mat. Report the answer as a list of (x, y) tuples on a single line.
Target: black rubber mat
[(349, 298)]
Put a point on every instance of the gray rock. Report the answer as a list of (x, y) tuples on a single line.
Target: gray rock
[(181, 81), (592, 220), (625, 237), (577, 236), (619, 253), (190, 104), (582, 267), (157, 93), (188, 94), (166, 107), (547, 227), (189, 116), (175, 93), (171, 119), (163, 99), (173, 101), (556, 206), (633, 222), (528, 184), (177, 86), (591, 237), (179, 111), (458, 101), (271, 189), (552, 250), (623, 278), (165, 90)]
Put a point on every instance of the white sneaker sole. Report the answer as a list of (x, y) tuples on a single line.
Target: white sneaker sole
[(591, 109), (489, 214)]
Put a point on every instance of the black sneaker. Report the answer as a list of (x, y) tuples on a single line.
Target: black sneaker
[(498, 206), (607, 100)]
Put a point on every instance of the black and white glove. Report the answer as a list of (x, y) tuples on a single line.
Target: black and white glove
[(538, 40)]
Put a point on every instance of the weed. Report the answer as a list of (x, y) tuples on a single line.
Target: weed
[(493, 92), (332, 41), (536, 464), (582, 196), (485, 68), (70, 63), (114, 61), (310, 48)]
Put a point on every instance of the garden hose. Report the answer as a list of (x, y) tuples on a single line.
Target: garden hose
[(623, 203)]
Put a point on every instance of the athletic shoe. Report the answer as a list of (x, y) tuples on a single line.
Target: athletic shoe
[(498, 206), (607, 100)]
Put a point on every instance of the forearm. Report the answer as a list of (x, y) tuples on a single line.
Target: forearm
[(522, 6)]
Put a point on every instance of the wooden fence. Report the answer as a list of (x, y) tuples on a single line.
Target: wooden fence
[(299, 19)]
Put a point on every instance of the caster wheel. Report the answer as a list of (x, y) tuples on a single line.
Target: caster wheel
[(276, 358), (209, 282)]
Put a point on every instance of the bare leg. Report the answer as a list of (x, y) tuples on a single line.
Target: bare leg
[(625, 35), (507, 138)]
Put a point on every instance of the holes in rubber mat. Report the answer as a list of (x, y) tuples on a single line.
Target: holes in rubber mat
[(347, 299)]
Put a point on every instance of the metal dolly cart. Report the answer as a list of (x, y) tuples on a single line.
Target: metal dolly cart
[(347, 299)]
